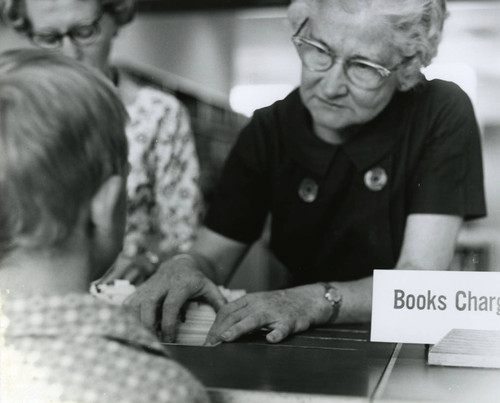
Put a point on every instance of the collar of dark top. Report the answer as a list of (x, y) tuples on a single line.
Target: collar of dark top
[(375, 140)]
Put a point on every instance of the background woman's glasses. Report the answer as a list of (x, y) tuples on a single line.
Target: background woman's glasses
[(80, 35)]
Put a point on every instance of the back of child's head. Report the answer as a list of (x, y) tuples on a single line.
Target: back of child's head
[(61, 136)]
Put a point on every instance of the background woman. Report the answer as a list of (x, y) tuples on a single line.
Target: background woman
[(164, 200)]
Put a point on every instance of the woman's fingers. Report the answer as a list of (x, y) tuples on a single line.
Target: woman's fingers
[(280, 331), (148, 297), (285, 312), (229, 315), (160, 299), (172, 305), (233, 327), (213, 296)]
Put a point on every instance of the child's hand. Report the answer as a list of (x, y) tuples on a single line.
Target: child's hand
[(135, 269)]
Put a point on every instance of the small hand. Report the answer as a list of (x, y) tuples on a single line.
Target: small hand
[(164, 294), (135, 269), (284, 312)]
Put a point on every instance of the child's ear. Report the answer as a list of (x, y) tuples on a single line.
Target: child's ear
[(107, 223), (106, 203)]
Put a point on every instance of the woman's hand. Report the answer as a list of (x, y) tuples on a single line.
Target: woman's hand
[(284, 312), (162, 296)]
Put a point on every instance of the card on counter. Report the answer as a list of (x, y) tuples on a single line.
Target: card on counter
[(417, 306)]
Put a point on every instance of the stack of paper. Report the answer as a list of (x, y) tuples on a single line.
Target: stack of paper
[(199, 317)]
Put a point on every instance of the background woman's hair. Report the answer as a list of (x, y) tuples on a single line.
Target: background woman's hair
[(62, 134), (415, 25), (14, 12)]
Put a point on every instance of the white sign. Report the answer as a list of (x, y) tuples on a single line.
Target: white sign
[(413, 306)]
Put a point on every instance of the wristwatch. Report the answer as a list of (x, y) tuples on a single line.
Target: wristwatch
[(334, 298)]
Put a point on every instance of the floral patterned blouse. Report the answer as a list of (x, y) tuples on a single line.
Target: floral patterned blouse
[(74, 348), (164, 198)]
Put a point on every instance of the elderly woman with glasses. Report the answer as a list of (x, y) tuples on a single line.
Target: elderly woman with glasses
[(366, 165), (164, 199)]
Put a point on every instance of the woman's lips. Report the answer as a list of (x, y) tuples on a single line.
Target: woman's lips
[(331, 104)]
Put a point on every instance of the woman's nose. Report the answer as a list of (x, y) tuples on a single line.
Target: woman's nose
[(335, 81), (69, 49)]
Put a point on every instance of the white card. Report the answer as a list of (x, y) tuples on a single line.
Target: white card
[(415, 306)]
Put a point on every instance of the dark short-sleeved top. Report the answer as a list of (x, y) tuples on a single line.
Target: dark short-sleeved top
[(339, 211)]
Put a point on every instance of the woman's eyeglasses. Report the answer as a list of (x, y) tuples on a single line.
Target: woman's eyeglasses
[(316, 56), (80, 35)]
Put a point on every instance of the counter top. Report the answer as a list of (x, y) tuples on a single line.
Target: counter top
[(334, 364)]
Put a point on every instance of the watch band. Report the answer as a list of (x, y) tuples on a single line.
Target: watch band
[(334, 298)]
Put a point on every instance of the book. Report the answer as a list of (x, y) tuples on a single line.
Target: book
[(467, 348)]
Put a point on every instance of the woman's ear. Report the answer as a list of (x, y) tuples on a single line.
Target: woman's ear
[(409, 74)]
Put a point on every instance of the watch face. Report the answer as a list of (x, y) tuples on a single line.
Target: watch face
[(332, 296)]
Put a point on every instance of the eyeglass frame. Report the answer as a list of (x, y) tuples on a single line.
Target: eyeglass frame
[(95, 24), (384, 72)]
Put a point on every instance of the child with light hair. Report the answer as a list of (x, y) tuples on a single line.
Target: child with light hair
[(63, 170)]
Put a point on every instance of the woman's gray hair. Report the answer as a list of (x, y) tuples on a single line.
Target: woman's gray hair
[(14, 12), (415, 25)]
